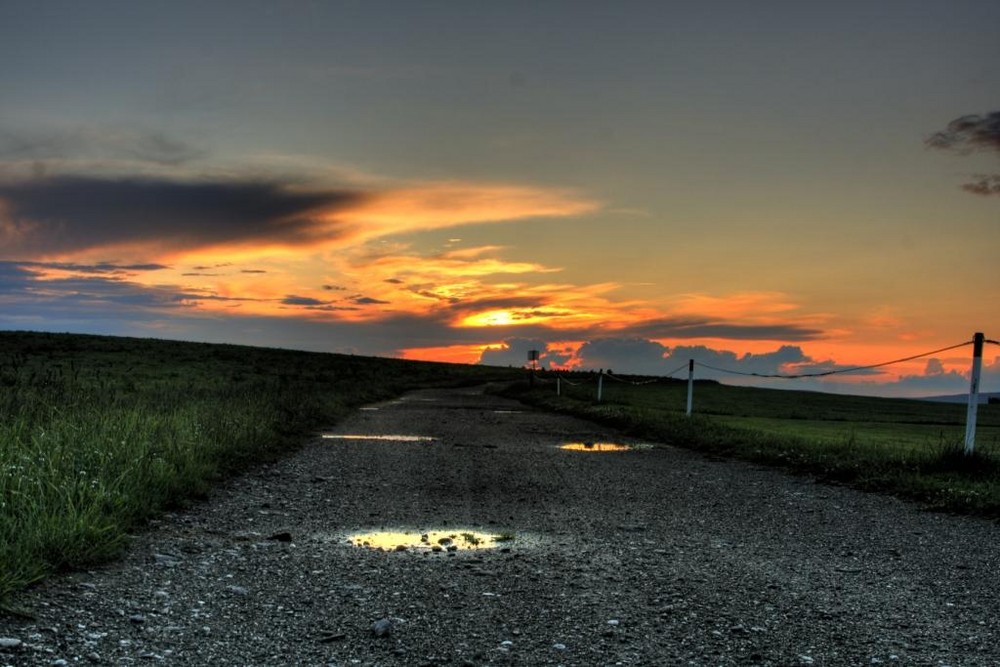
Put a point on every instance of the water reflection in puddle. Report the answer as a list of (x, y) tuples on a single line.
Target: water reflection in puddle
[(368, 409), (433, 541), (596, 447), (391, 438), (508, 412)]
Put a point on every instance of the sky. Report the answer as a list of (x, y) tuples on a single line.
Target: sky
[(765, 187)]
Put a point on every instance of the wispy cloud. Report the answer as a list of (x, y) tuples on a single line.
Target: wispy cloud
[(435, 205), (96, 142), (971, 134), (985, 185)]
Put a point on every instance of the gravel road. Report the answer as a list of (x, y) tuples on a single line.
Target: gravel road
[(657, 556)]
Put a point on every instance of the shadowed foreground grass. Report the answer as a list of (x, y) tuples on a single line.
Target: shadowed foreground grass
[(97, 433), (905, 447)]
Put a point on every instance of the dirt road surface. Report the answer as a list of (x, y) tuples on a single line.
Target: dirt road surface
[(656, 556)]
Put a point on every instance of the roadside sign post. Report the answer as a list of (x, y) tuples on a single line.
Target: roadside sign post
[(533, 364)]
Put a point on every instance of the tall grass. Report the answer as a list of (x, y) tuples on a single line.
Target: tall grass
[(910, 448), (97, 434)]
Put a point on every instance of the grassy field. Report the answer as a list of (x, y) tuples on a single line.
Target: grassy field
[(97, 433), (906, 447)]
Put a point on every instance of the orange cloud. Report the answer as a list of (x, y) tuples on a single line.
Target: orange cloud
[(741, 305), (452, 354), (435, 205)]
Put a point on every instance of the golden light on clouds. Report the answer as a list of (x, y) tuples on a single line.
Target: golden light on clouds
[(737, 305), (436, 205)]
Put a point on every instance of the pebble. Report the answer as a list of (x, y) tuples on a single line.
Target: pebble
[(382, 627), (9, 642), (137, 618), (166, 560), (559, 647), (238, 590)]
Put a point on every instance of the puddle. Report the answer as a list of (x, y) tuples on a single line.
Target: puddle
[(508, 412), (368, 409), (433, 541), (390, 438), (596, 447)]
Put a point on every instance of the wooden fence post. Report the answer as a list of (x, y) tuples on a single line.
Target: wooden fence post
[(970, 417), (690, 386)]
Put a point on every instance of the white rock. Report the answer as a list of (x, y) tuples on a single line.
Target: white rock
[(9, 642)]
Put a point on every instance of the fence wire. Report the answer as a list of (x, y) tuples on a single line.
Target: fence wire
[(782, 376), (853, 369)]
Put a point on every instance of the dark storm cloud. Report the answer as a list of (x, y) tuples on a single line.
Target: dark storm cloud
[(96, 142), (703, 328), (76, 213), (969, 134)]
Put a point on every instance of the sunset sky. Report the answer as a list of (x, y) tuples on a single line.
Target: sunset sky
[(772, 187)]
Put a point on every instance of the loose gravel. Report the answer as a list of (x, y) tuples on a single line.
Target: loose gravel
[(656, 556)]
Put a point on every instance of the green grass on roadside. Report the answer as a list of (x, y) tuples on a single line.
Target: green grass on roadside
[(909, 448), (98, 434)]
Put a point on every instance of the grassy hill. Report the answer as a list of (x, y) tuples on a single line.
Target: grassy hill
[(99, 433)]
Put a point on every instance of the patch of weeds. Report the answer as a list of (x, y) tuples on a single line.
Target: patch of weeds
[(504, 536), (952, 459)]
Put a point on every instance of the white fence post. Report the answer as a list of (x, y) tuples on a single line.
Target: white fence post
[(970, 417), (690, 386), (600, 385)]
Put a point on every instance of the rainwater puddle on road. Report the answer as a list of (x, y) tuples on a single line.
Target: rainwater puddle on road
[(508, 412), (433, 541), (597, 447), (368, 409), (389, 438)]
